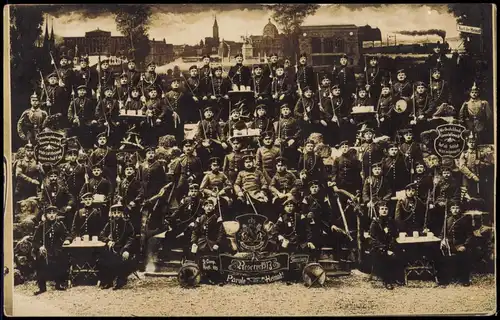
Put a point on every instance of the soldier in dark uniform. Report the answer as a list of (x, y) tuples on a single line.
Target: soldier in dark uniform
[(28, 175), (187, 169), (134, 103), (56, 97), (233, 162), (175, 102), (66, 73), (123, 90), (81, 117), (104, 156), (393, 166), (293, 230), (209, 135), (374, 75), (217, 185), (51, 262), (88, 220), (344, 77), (206, 74), (266, 156), (107, 115), (307, 110), (117, 263), (130, 194), (375, 188), (208, 232), (281, 89), (440, 91), (239, 74), (55, 193), (304, 76), (457, 248), (476, 115), (133, 75), (346, 171), (234, 123), (271, 66), (288, 134), (98, 185), (194, 96), (219, 99), (410, 212), (152, 174), (312, 163), (261, 85), (437, 59), (411, 151), (283, 185), (383, 233), (421, 107), (108, 77), (402, 89), (385, 109), (262, 121), (341, 108), (87, 77), (151, 79), (423, 181), (156, 113), (371, 152), (32, 121)]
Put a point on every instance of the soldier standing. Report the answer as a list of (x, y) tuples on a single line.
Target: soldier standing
[(261, 85), (470, 164), (267, 155), (344, 77), (150, 78), (410, 212), (262, 121), (81, 117), (209, 134), (375, 188), (371, 152), (28, 175), (439, 90), (208, 231), (119, 236), (133, 75), (411, 151), (476, 115), (130, 194), (107, 77), (394, 169), (87, 77), (216, 184), (51, 262), (233, 162), (56, 194), (288, 134), (385, 109), (123, 90), (374, 75), (175, 102), (311, 162), (304, 76), (107, 116), (152, 174), (239, 74), (270, 68), (281, 88), (283, 184), (98, 185), (32, 121), (66, 73), (307, 110), (346, 172), (104, 156), (56, 97), (187, 169), (206, 74), (402, 88), (194, 94)]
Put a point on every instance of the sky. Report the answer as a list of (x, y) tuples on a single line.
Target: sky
[(188, 24)]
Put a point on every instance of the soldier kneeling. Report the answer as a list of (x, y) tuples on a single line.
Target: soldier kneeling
[(117, 263), (51, 262)]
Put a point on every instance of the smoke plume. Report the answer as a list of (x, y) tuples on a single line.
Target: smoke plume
[(429, 32)]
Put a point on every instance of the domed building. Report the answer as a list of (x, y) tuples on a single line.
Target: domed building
[(271, 41)]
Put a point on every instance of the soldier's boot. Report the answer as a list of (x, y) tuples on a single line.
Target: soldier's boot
[(42, 287), (121, 281)]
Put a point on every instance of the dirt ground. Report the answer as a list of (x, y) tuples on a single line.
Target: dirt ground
[(351, 295)]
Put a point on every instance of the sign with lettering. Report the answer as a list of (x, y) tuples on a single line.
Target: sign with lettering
[(257, 279), (468, 29), (50, 147), (450, 141), (266, 264), (209, 263)]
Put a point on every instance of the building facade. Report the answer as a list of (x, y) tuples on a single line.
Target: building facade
[(325, 44), (271, 41), (101, 42)]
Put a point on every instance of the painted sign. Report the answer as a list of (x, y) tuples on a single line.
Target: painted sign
[(450, 141), (251, 236), (50, 147), (263, 265), (468, 29)]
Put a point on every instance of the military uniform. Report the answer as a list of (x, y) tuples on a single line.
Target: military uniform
[(99, 185), (28, 176), (375, 188), (73, 174), (371, 152), (240, 75), (107, 115), (56, 194), (395, 172), (193, 84), (209, 129), (305, 77), (54, 264), (31, 123), (410, 215), (476, 115), (214, 182), (295, 229), (87, 77), (113, 265), (284, 182), (206, 74), (266, 157), (80, 115), (208, 231), (87, 221), (58, 97), (439, 93), (344, 77), (261, 85), (105, 157), (313, 165), (188, 167), (153, 178), (346, 171), (289, 129), (233, 164), (175, 101), (151, 80), (282, 86), (127, 191)]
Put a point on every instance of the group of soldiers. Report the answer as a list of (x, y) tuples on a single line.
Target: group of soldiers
[(131, 172)]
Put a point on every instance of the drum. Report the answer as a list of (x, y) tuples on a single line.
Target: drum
[(401, 105), (313, 275), (189, 275)]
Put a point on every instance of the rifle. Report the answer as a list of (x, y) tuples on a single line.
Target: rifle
[(43, 85), (344, 220), (445, 247), (334, 117), (55, 66), (98, 93)]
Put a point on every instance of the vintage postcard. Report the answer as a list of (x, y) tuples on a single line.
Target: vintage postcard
[(249, 159)]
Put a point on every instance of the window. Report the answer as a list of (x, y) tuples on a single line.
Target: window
[(316, 45), (328, 44), (339, 45)]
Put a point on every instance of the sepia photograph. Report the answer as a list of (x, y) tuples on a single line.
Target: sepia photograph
[(249, 159)]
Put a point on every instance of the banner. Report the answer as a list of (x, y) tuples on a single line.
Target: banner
[(50, 147), (450, 141)]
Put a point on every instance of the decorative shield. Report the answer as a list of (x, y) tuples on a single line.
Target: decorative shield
[(313, 275), (450, 141), (251, 236), (50, 147), (189, 275), (401, 106)]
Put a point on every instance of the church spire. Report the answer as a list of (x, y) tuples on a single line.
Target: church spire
[(216, 30), (46, 36), (52, 31)]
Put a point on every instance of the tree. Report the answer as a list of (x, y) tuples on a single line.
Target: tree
[(201, 43), (289, 18), (133, 22)]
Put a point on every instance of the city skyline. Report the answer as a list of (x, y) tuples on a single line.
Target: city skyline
[(191, 27)]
